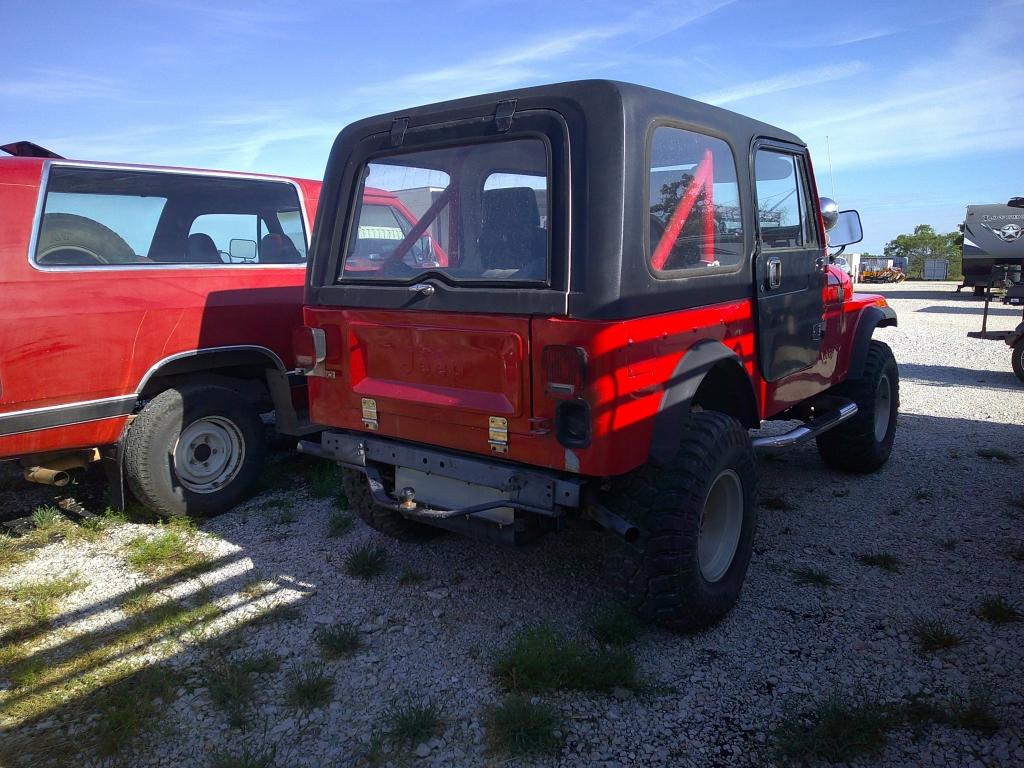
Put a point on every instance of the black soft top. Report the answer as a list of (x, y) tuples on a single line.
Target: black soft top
[(608, 126)]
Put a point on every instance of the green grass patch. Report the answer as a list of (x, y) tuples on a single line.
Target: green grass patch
[(339, 523), (542, 659), (310, 687), (413, 723), (324, 479), (46, 518), (1018, 554), (1016, 502), (261, 663), (11, 554), (998, 454), (366, 561), (836, 730), (975, 712), (949, 544), (411, 578), (37, 601), (812, 577), (172, 548), (932, 635), (883, 560), (613, 623), (231, 690), (339, 641), (131, 705), (519, 728), (250, 756), (996, 610)]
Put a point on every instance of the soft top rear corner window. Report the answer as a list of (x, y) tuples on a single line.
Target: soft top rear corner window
[(476, 213)]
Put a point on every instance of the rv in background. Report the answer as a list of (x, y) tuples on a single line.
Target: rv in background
[(993, 236)]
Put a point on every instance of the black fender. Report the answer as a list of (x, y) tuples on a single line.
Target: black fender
[(870, 318), (1016, 335), (690, 372)]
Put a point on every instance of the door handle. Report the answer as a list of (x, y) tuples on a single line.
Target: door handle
[(425, 288), (774, 272)]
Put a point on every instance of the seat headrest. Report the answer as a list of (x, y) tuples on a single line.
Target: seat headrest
[(200, 249), (516, 206), (278, 249)]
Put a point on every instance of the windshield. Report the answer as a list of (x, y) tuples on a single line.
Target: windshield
[(473, 213)]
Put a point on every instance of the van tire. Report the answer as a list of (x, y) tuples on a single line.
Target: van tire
[(381, 519), (661, 573), (214, 419), (855, 445)]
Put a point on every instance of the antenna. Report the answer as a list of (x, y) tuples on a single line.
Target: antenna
[(828, 147)]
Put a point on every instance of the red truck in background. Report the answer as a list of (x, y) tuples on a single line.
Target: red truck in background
[(146, 322)]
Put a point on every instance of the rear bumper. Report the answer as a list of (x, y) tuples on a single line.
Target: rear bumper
[(517, 487)]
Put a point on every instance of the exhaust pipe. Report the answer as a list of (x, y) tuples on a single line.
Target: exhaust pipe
[(47, 476), (612, 522), (55, 469)]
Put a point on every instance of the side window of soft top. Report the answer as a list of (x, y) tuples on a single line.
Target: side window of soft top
[(694, 213)]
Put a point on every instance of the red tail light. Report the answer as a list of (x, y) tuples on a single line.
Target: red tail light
[(565, 371)]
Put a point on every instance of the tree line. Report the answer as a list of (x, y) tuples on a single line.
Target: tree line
[(926, 243)]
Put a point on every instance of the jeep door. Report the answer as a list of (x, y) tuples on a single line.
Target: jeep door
[(790, 262)]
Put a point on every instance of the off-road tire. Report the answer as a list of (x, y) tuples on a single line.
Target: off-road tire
[(660, 574), (152, 437), (92, 242), (382, 519), (853, 446), (1017, 359)]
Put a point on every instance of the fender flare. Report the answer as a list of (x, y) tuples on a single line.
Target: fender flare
[(680, 389), (870, 318), (1016, 335)]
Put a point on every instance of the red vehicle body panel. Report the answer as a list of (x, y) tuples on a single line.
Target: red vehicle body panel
[(412, 362), (70, 336)]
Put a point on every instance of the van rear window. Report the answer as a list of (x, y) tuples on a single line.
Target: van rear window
[(475, 213)]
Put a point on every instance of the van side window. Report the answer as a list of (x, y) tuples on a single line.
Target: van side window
[(782, 201), (128, 218), (694, 212)]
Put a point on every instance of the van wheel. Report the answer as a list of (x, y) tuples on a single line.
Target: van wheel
[(194, 450), (863, 444), (381, 519), (1018, 358), (696, 518)]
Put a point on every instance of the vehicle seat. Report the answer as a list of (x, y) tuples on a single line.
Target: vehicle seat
[(511, 238), (278, 249), (200, 249)]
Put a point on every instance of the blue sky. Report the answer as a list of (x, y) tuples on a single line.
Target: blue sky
[(922, 102)]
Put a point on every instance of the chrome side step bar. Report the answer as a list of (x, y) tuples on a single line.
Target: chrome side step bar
[(811, 428)]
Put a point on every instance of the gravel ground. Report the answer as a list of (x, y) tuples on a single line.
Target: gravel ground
[(712, 699)]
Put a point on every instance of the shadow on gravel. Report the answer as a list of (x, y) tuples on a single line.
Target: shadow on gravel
[(994, 310), (950, 376)]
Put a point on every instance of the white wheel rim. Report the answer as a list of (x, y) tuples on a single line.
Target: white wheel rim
[(208, 454), (720, 526), (883, 408)]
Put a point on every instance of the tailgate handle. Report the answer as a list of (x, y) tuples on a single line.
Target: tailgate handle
[(774, 272), (425, 288)]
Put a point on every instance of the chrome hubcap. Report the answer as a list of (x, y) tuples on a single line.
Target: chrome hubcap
[(208, 455), (883, 408), (720, 526)]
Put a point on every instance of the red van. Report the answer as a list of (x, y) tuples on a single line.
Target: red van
[(146, 322)]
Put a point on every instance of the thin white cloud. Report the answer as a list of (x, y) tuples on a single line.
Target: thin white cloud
[(45, 84), (532, 59), (800, 78)]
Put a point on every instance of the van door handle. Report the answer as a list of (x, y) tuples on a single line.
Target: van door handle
[(425, 288), (774, 272)]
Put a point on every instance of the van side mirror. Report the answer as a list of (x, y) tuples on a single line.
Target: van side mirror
[(847, 230), (242, 251)]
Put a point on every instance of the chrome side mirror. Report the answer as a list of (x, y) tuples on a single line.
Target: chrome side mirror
[(847, 230), (829, 212)]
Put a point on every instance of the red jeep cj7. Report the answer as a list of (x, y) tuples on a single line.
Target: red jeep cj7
[(632, 281)]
